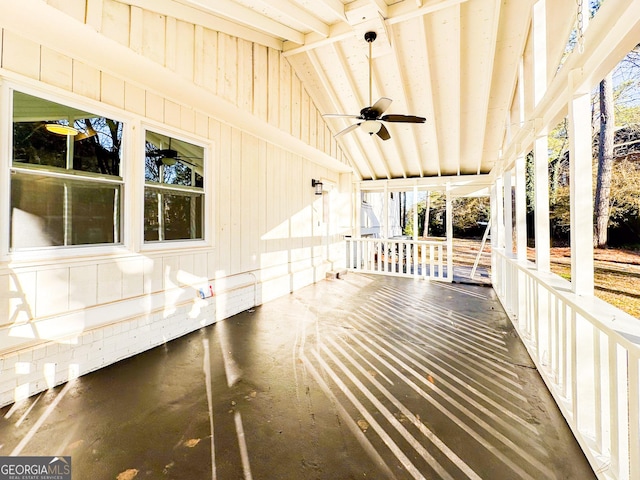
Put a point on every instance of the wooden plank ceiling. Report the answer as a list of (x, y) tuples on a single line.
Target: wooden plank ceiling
[(454, 62)]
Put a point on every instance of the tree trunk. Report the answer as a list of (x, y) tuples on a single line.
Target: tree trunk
[(605, 161)]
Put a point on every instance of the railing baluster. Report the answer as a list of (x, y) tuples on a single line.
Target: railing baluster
[(614, 417), (408, 258), (634, 416), (597, 379)]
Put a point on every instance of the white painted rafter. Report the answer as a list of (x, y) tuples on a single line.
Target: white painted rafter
[(248, 17), (409, 105), (335, 7), (358, 96), (297, 15), (337, 106)]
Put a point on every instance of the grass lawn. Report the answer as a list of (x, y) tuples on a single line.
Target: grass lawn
[(616, 271)]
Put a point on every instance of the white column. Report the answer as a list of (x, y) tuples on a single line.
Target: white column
[(541, 156), (497, 229), (385, 212), (521, 232), (521, 208), (357, 203), (508, 214), (541, 189), (581, 195), (449, 229), (539, 50), (416, 232), (494, 235)]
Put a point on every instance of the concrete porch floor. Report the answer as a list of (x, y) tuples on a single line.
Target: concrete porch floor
[(353, 378)]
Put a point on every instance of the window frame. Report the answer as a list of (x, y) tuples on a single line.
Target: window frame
[(205, 191), (9, 168)]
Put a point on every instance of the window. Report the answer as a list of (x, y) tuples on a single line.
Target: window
[(174, 189), (66, 184)]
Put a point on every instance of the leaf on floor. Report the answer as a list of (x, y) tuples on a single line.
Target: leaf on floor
[(363, 425), (129, 474), (192, 442)]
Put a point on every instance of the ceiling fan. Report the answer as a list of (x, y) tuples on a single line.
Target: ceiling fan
[(169, 157), (372, 116)]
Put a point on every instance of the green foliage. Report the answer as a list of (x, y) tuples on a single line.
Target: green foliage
[(467, 212), (625, 193)]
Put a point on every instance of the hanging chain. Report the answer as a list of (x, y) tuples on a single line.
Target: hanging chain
[(580, 28)]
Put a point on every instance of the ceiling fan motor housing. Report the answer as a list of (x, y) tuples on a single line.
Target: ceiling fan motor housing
[(369, 113)]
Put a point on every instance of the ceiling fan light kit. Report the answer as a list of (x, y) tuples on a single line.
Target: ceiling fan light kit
[(371, 116), (371, 126)]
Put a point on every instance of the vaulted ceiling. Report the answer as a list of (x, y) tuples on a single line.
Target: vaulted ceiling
[(454, 62)]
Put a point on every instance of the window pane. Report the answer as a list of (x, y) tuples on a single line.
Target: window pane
[(182, 217), (170, 212), (94, 145), (34, 145), (151, 215), (172, 215), (172, 161), (47, 211), (97, 148)]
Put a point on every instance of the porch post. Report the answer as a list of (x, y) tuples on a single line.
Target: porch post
[(385, 212), (541, 187), (521, 209), (449, 229), (497, 236), (358, 211), (581, 196), (521, 232), (493, 222), (540, 152), (415, 214), (508, 214)]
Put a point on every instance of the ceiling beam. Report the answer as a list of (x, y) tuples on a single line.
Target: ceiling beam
[(403, 11), (296, 15), (198, 16), (360, 101), (337, 32), (409, 105), (466, 182), (479, 32), (335, 7), (396, 13), (247, 17), (443, 30), (331, 96)]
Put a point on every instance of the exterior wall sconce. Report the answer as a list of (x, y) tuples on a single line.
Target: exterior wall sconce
[(317, 184)]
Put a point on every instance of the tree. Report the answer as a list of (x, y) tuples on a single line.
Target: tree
[(605, 162)]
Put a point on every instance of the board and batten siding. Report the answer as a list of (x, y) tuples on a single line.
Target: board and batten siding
[(63, 316)]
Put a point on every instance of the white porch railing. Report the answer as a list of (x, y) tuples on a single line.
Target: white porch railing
[(405, 258), (587, 352)]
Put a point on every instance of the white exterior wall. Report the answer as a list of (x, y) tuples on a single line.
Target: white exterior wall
[(70, 311)]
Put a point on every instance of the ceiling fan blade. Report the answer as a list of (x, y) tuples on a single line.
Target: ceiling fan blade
[(403, 118), (383, 133), (381, 105), (340, 115), (347, 130)]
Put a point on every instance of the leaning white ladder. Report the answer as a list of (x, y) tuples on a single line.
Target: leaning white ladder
[(484, 241)]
